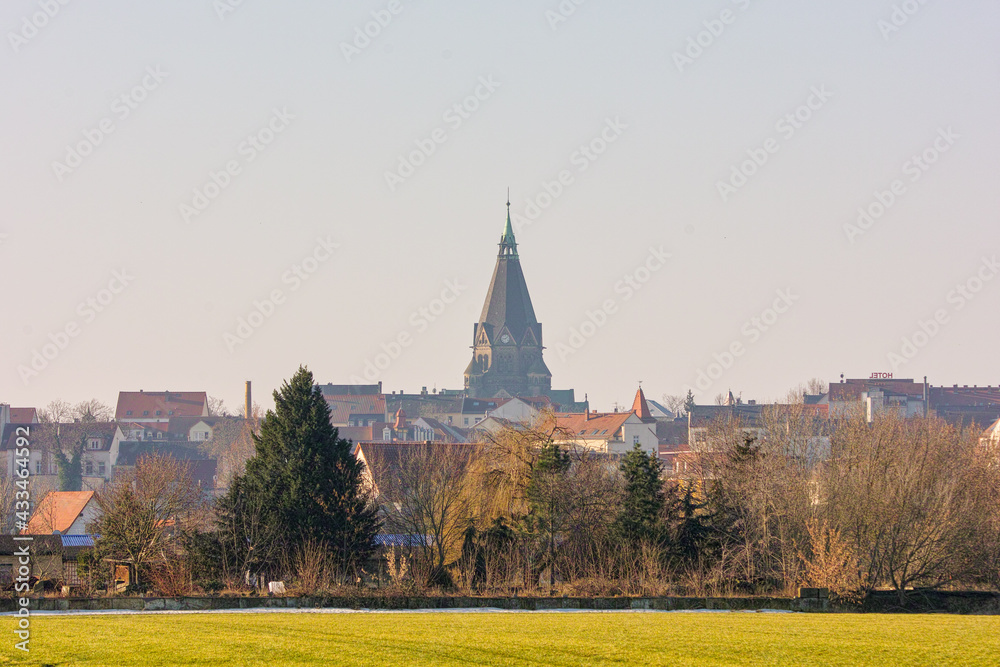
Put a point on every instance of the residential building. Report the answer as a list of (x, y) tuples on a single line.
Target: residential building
[(356, 409), (203, 468), (100, 440), (605, 432), (65, 512), (160, 406)]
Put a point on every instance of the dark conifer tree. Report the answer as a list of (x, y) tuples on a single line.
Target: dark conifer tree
[(303, 480), (641, 516)]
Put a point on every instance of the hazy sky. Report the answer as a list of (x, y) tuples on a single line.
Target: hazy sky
[(176, 163)]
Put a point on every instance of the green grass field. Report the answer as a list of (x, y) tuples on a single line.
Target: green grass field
[(537, 638)]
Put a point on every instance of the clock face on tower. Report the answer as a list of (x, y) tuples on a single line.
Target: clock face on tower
[(505, 338)]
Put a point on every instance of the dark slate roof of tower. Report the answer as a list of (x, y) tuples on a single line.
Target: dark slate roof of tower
[(507, 302)]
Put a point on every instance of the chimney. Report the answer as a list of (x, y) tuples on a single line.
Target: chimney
[(248, 404)]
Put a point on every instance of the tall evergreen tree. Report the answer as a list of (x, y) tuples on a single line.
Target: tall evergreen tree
[(641, 515), (689, 402), (550, 500), (303, 481)]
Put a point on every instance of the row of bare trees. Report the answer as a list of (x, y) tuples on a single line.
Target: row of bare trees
[(887, 503), (794, 499)]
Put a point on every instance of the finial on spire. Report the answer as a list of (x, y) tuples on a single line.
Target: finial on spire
[(508, 246)]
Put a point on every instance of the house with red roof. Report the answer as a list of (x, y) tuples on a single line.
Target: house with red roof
[(65, 512), (159, 406), (356, 409), (607, 432)]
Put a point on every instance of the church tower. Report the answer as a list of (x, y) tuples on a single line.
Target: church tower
[(507, 340)]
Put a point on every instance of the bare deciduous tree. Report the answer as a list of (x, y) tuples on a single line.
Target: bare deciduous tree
[(674, 403), (139, 509), (911, 496), (56, 411), (425, 492), (217, 407), (93, 411)]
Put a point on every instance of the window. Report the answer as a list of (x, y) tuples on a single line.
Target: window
[(171, 413), (94, 443), (159, 412), (100, 468), (466, 421), (89, 468), (635, 440), (38, 467), (145, 413), (128, 413)]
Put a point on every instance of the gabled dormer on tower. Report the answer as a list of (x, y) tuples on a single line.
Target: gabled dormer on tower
[(507, 339)]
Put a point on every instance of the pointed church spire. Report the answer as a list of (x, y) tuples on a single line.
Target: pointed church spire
[(508, 246), (640, 407)]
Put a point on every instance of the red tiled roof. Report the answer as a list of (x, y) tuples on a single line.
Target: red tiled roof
[(23, 416), (964, 396), (343, 406), (135, 405), (57, 511), (592, 425)]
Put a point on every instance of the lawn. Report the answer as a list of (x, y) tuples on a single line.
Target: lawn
[(536, 638)]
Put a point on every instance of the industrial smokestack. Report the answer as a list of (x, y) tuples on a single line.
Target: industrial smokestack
[(249, 403)]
